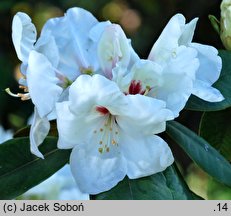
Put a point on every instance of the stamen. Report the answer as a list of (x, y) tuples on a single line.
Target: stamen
[(23, 97), (8, 91), (107, 134)]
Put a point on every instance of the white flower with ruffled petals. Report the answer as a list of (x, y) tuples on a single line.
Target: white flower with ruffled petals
[(112, 134), (177, 34), (51, 63)]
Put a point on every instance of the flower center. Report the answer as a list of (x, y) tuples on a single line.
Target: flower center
[(102, 110), (107, 132), (135, 88)]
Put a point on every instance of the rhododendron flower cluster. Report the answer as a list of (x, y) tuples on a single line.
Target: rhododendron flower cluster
[(110, 105)]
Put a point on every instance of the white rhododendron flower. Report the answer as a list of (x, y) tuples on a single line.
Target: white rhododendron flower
[(49, 65), (57, 59), (112, 134), (110, 104), (172, 83), (178, 36)]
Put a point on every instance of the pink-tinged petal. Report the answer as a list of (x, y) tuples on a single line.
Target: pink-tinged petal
[(42, 83), (145, 155), (23, 35), (95, 172), (38, 132), (113, 48)]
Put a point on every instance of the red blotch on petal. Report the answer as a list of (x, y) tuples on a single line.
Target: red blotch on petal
[(102, 110), (135, 88)]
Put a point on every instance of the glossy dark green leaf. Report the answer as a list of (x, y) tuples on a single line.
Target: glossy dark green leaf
[(20, 170), (223, 84), (215, 127), (201, 152), (167, 185)]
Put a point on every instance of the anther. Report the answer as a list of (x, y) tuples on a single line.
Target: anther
[(113, 142), (100, 150)]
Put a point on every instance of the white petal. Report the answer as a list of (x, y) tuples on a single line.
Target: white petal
[(208, 73), (46, 45), (74, 44), (97, 30), (145, 155), (210, 63), (23, 35), (87, 92), (38, 131), (144, 115), (72, 130), (122, 77), (187, 34), (80, 22), (177, 79), (42, 83), (148, 72), (206, 92), (95, 174), (168, 40), (113, 48)]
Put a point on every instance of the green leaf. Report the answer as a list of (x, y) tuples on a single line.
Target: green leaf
[(223, 84), (20, 170), (215, 127), (201, 152), (166, 185)]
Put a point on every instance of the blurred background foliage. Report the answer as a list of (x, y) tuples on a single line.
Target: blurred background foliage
[(142, 21)]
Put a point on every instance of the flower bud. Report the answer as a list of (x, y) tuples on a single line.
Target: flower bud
[(225, 24)]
